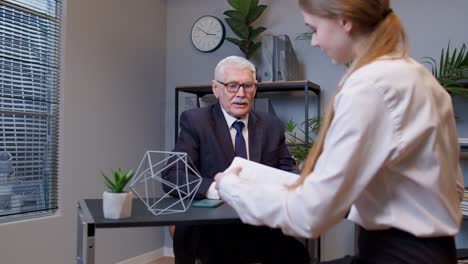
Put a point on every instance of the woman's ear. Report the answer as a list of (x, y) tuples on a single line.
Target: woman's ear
[(346, 24), (214, 88)]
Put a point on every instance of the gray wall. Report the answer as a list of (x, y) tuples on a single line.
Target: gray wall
[(429, 24), (118, 86), (112, 104)]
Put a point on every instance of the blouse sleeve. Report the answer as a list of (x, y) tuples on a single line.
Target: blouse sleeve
[(360, 140)]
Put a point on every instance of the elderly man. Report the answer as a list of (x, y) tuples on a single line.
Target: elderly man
[(212, 136)]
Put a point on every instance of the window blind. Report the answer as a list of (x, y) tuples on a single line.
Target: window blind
[(29, 107)]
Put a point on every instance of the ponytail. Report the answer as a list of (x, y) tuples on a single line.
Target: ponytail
[(386, 37)]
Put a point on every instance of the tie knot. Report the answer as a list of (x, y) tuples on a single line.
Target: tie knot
[(238, 125)]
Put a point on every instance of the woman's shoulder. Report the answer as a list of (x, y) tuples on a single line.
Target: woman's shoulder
[(389, 71), (387, 67)]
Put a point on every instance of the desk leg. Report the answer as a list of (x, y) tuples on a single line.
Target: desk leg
[(85, 240), (313, 247)]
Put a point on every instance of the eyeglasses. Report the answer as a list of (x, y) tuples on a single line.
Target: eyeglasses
[(234, 87)]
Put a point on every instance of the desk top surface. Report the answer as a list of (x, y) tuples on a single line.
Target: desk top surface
[(141, 216)]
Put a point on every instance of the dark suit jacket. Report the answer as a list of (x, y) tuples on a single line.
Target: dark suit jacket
[(204, 136)]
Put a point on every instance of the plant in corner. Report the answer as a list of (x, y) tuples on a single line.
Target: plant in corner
[(240, 21), (117, 204), (299, 144), (452, 70)]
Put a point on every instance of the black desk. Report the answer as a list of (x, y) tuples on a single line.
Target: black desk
[(90, 217)]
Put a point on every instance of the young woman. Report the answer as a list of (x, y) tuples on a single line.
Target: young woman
[(387, 154)]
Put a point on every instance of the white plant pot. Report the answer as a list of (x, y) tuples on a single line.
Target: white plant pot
[(117, 205)]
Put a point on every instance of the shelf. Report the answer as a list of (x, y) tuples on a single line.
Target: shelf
[(463, 148), (464, 152)]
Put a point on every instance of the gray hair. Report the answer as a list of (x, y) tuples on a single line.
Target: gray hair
[(235, 62)]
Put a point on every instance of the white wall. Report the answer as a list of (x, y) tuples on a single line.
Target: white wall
[(429, 24), (113, 92)]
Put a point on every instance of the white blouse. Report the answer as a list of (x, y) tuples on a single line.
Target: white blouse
[(390, 158)]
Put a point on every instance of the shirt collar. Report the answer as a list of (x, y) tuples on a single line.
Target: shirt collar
[(230, 119)]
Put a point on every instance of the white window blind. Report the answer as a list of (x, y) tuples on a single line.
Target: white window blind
[(29, 105)]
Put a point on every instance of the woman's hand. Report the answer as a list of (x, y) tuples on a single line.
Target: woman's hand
[(219, 177)]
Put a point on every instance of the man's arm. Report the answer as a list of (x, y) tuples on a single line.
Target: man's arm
[(188, 142)]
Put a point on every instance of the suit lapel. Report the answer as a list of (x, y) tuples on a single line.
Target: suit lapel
[(255, 137), (222, 134)]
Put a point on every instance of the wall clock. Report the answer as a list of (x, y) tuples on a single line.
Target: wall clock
[(208, 34)]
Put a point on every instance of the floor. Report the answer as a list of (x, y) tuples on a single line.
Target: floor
[(163, 260)]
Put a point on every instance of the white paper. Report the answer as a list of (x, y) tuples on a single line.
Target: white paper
[(463, 141), (257, 172)]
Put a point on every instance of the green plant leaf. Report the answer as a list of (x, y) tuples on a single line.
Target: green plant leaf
[(465, 56), (245, 47), (244, 7), (451, 71), (255, 13), (253, 4), (290, 125), (433, 64), (235, 15), (234, 41), (255, 32), (109, 183), (442, 68), (235, 4), (120, 179), (297, 144), (240, 29), (239, 20), (457, 90), (252, 49), (128, 175), (116, 176)]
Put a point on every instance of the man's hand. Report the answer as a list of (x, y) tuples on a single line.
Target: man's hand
[(219, 177)]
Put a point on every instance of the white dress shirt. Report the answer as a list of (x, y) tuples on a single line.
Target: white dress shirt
[(390, 156), (212, 193)]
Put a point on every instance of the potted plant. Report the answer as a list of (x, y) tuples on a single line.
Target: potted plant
[(300, 143), (452, 70), (240, 19), (117, 204)]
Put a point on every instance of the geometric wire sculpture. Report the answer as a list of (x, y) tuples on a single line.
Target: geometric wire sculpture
[(147, 182)]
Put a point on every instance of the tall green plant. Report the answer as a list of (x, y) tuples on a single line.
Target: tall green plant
[(240, 21), (300, 143), (452, 70)]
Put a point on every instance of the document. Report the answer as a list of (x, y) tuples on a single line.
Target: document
[(257, 172)]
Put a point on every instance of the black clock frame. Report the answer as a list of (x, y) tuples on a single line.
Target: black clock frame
[(222, 38)]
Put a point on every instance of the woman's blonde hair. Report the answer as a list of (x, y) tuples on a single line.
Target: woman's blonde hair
[(385, 35)]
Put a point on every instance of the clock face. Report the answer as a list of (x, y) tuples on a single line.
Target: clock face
[(208, 33)]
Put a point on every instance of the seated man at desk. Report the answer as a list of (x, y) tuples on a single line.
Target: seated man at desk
[(212, 136)]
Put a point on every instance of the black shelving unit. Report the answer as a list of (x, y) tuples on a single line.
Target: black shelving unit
[(262, 87), (463, 151)]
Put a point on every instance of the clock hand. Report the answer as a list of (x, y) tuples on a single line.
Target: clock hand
[(203, 31), (209, 34)]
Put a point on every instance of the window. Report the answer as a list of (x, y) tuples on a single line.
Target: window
[(29, 104)]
